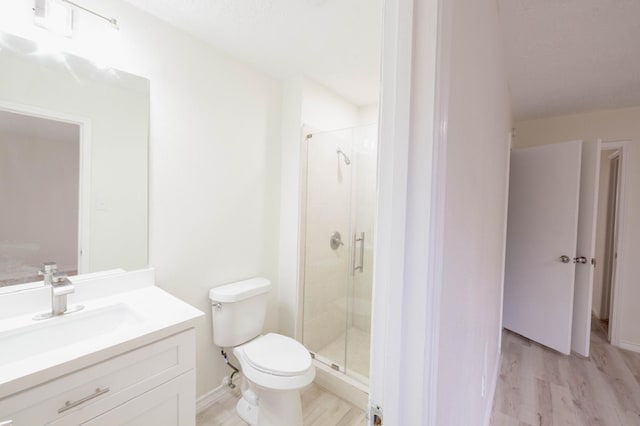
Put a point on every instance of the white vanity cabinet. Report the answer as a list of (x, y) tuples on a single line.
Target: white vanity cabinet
[(151, 385)]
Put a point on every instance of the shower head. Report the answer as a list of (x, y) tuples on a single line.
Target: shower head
[(346, 159)]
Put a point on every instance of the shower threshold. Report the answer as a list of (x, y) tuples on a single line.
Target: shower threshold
[(357, 356)]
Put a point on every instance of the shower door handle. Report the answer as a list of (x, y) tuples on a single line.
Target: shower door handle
[(357, 240)]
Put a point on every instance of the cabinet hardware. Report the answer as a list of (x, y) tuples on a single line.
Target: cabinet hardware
[(69, 405)]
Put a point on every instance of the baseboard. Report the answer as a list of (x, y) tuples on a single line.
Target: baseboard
[(491, 395), (208, 399), (630, 346)]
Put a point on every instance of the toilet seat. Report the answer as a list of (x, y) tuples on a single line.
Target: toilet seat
[(278, 355), (276, 362)]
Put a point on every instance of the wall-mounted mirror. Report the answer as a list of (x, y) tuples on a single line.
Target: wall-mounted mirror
[(73, 164)]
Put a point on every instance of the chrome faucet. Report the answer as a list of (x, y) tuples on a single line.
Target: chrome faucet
[(48, 271), (61, 286)]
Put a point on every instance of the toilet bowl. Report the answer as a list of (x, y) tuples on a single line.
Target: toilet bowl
[(274, 367)]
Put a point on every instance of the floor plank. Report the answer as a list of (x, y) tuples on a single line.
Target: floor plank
[(538, 386), (319, 408)]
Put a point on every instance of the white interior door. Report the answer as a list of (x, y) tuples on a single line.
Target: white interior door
[(542, 227), (586, 247)]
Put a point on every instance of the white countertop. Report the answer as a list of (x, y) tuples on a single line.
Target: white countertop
[(151, 314)]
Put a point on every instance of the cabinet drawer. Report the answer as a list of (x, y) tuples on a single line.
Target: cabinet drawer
[(83, 394), (170, 404)]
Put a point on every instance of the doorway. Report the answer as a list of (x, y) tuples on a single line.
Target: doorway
[(40, 164), (608, 229)]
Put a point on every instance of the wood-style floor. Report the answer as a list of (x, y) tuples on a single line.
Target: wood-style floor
[(319, 408), (538, 386)]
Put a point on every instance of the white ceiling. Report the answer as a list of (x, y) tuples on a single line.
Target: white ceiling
[(568, 56), (562, 56), (334, 42)]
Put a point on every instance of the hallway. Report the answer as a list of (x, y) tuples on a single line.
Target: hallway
[(538, 386)]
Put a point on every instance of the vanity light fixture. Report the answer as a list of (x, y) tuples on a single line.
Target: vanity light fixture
[(54, 16), (57, 16)]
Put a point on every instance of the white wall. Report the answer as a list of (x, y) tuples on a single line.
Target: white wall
[(214, 162), (290, 206), (474, 234), (368, 114), (610, 125), (325, 110)]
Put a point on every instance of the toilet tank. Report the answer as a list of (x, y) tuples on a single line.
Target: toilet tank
[(238, 310)]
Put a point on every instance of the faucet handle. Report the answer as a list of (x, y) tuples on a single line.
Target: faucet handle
[(49, 268), (59, 278)]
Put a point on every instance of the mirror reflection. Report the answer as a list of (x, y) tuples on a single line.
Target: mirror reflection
[(73, 164), (39, 184)]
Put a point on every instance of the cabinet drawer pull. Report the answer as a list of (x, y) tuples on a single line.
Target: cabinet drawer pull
[(69, 405)]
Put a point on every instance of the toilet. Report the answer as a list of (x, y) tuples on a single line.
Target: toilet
[(274, 367)]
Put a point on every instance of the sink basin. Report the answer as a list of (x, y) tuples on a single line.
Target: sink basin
[(36, 338), (122, 312)]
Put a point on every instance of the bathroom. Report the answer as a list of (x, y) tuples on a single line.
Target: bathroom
[(225, 155)]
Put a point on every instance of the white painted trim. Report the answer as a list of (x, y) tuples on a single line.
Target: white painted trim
[(410, 202), (395, 97), (214, 395), (504, 232), (634, 347), (615, 317), (443, 23), (208, 399), (84, 184), (84, 202), (614, 155), (492, 390)]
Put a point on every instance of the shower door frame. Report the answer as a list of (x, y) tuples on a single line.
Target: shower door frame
[(342, 366)]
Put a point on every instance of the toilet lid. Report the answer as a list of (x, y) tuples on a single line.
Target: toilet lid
[(278, 355)]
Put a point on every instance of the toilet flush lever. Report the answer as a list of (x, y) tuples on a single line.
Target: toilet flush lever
[(217, 305)]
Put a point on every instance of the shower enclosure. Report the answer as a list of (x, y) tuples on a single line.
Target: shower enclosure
[(337, 247)]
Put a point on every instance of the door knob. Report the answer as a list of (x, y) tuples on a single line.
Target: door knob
[(580, 259), (565, 259)]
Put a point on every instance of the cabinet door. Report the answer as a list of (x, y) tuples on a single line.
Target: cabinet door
[(170, 404)]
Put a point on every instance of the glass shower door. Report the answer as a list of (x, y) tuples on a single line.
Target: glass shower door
[(337, 249)]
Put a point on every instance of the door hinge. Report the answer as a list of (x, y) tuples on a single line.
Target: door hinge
[(593, 261)]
